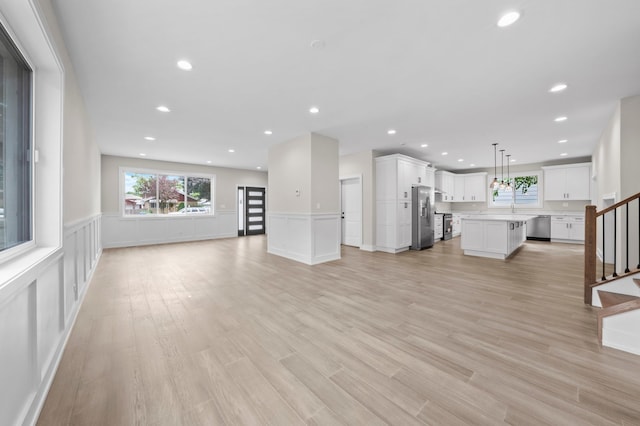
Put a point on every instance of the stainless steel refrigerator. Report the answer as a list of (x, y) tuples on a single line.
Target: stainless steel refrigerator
[(422, 219)]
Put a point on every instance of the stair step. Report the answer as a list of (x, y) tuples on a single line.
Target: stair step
[(608, 298)]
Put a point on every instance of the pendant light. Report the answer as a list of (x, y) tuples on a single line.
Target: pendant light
[(502, 184), (495, 183), (508, 188)]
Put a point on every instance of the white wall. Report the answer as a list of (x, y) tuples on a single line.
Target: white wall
[(606, 161), (325, 183), (630, 172), (629, 146), (290, 176), (119, 231)]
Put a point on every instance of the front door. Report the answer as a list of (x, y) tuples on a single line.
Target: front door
[(251, 211)]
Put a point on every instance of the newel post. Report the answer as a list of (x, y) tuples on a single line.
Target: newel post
[(589, 251)]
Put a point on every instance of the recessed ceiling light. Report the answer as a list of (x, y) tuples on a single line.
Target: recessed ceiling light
[(560, 119), (259, 168), (513, 160), (268, 132), (150, 138), (445, 153), (314, 110), (184, 65), (508, 18), (142, 154), (558, 88), (208, 161), (163, 108), (563, 141), (564, 154), (391, 132), (232, 150), (460, 160), (472, 165), (424, 145)]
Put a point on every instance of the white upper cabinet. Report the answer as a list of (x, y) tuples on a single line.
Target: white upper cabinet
[(567, 182), (445, 183), (458, 184), (461, 188), (475, 187)]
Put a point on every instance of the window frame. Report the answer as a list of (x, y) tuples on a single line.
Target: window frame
[(22, 20), (123, 170), (30, 244), (538, 205)]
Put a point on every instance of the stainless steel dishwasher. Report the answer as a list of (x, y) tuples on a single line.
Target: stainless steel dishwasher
[(539, 228)]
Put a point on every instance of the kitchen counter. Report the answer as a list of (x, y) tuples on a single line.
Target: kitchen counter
[(500, 217), (494, 236)]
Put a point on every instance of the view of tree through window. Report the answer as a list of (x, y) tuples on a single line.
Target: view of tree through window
[(161, 194), (524, 192)]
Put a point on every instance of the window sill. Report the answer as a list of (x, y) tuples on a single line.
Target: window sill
[(25, 267)]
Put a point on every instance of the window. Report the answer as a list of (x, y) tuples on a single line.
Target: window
[(15, 146), (525, 193), (157, 193)]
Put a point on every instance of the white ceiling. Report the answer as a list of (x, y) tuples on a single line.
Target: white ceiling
[(438, 71)]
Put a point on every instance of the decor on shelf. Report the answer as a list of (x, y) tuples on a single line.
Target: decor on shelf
[(494, 185)]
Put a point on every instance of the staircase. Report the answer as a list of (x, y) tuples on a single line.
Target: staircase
[(619, 320), (615, 229)]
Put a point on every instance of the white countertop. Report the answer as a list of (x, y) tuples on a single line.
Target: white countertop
[(501, 217)]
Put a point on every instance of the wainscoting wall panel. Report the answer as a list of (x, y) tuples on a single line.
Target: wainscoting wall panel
[(37, 311), (119, 231), (306, 238)]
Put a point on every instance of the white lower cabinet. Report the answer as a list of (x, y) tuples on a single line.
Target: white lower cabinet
[(568, 229), (404, 224), (496, 239)]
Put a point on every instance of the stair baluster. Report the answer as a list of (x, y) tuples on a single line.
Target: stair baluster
[(604, 249), (626, 269), (615, 248)]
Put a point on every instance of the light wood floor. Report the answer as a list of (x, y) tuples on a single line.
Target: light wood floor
[(220, 332)]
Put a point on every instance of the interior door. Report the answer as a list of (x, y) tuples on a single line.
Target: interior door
[(351, 204), (254, 210)]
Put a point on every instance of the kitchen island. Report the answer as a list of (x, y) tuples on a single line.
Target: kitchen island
[(494, 236)]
